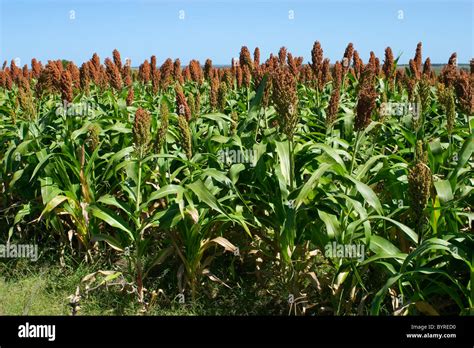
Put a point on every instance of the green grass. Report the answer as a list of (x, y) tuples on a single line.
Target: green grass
[(44, 288)]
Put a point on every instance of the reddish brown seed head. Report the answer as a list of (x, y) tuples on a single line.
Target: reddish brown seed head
[(141, 131), (182, 107), (144, 72), (207, 69), (316, 57), (256, 56), (427, 67), (388, 64), (66, 86), (348, 53), (366, 99), (130, 96), (117, 59), (338, 71), (113, 74)]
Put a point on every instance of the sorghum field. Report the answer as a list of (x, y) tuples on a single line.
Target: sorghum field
[(272, 186)]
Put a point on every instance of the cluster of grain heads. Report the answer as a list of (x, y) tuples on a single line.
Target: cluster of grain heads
[(333, 108), (113, 75), (228, 78), (5, 79), (66, 86), (36, 68), (163, 129), (366, 100), (388, 66), (178, 72), (185, 136), (157, 79), (325, 74), (208, 69), (96, 70), (75, 74), (25, 99), (246, 76), (245, 59), (446, 99), (256, 57), (418, 57), (144, 72), (372, 62), (424, 93), (419, 184), (464, 91), (449, 72), (357, 64), (282, 54), (222, 96), (292, 65), (285, 99), (415, 64), (130, 96), (141, 132), (317, 60), (84, 75), (182, 107), (15, 71), (196, 71), (25, 72), (238, 76), (338, 73), (127, 76), (197, 104), (50, 78), (166, 73), (153, 64), (346, 60), (427, 72), (214, 92), (93, 137), (187, 74), (410, 85), (117, 60)]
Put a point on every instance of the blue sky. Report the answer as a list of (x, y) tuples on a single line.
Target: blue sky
[(47, 29)]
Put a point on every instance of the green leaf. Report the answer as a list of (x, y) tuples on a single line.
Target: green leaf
[(112, 219), (234, 171), (380, 245), (405, 229), (114, 243), (332, 154), (111, 200), (53, 204), (205, 196), (443, 188), (164, 192), (368, 194), (464, 156), (282, 148), (333, 227), (308, 186)]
